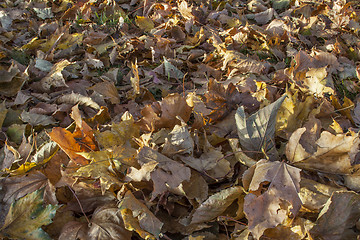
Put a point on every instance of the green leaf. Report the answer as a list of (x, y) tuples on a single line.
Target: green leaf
[(26, 216), (280, 4), (171, 71), (256, 133)]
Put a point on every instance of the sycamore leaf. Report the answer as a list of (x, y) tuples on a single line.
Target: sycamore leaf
[(332, 153), (26, 216), (146, 218), (180, 141), (107, 223), (292, 113), (281, 198), (142, 174), (120, 133), (216, 204), (74, 230), (256, 133), (108, 90), (98, 170), (340, 213)]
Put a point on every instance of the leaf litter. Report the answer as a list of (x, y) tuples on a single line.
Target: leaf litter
[(179, 120)]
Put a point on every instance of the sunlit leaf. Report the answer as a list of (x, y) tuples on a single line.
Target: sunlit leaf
[(26, 216), (256, 133)]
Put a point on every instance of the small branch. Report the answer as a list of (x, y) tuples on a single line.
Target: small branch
[(77, 199)]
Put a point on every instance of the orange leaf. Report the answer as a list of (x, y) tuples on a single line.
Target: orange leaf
[(68, 144)]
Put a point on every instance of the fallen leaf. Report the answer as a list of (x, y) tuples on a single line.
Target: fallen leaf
[(55, 78), (107, 223), (168, 174), (340, 213), (68, 144), (332, 153), (164, 114), (108, 90), (216, 204), (18, 186), (256, 133), (26, 216), (267, 207), (146, 218)]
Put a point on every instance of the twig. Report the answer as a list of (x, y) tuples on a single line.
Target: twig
[(77, 199)]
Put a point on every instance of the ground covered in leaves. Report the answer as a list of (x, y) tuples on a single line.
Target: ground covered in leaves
[(180, 119)]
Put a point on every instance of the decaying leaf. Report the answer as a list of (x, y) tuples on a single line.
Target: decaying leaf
[(256, 133), (273, 195), (107, 223), (165, 113), (26, 216), (332, 153), (147, 220), (338, 216), (216, 204), (168, 175)]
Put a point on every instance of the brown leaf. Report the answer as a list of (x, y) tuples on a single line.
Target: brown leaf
[(281, 198), (107, 223), (19, 186), (146, 218), (164, 114), (332, 153), (168, 174)]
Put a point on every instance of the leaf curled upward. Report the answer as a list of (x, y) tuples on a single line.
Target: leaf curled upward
[(256, 133)]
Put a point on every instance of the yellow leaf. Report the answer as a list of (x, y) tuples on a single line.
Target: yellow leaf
[(132, 224), (144, 23), (69, 40)]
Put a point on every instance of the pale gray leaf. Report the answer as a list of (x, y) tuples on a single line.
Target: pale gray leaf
[(256, 133)]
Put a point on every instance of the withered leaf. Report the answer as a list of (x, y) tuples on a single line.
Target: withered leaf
[(164, 114), (333, 153), (106, 223), (147, 220), (281, 198), (256, 133), (216, 204)]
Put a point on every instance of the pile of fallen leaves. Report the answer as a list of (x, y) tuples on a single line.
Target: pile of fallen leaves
[(149, 119)]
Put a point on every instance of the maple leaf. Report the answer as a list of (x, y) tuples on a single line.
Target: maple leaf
[(67, 142), (328, 153), (165, 113), (216, 204), (18, 186), (26, 216), (107, 223), (168, 175), (220, 100), (281, 198)]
